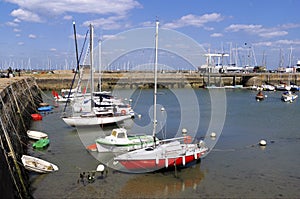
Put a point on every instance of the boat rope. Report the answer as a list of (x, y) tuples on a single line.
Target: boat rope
[(143, 81)]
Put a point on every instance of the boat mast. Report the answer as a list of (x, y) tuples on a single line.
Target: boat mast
[(100, 71), (155, 83), (91, 63)]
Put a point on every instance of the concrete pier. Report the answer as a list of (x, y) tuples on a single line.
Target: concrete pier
[(19, 98), (141, 79)]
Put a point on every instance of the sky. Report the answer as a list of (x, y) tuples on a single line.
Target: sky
[(39, 34)]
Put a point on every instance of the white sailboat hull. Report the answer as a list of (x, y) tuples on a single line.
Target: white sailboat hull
[(93, 120)]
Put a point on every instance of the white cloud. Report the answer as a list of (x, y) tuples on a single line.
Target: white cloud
[(290, 25), (243, 27), (265, 43), (278, 43), (288, 42), (273, 34), (20, 43), (77, 6), (25, 15), (259, 30), (16, 30), (31, 36), (78, 36), (110, 23), (52, 49), (194, 20), (216, 35), (12, 24), (17, 20), (68, 17)]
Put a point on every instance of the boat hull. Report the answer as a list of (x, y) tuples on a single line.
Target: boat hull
[(36, 135), (156, 164), (38, 165), (93, 120), (41, 143), (163, 156)]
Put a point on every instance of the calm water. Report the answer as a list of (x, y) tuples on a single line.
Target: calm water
[(236, 167)]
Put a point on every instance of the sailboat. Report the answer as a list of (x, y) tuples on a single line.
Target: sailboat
[(168, 153), (95, 116)]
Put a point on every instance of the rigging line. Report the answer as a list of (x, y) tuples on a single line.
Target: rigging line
[(77, 63), (151, 58), (80, 70)]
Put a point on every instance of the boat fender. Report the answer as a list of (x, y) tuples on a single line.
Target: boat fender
[(123, 112), (262, 143), (166, 162), (183, 160), (187, 139), (156, 160)]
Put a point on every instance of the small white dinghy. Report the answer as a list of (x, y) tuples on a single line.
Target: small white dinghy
[(36, 135), (38, 165)]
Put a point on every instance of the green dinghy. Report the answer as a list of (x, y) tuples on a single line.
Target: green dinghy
[(41, 143)]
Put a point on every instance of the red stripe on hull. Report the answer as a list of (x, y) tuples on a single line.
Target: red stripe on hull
[(151, 163)]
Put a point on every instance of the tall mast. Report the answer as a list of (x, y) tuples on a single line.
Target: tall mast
[(100, 67), (155, 82), (92, 62)]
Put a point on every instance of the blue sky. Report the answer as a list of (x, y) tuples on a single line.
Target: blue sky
[(37, 33)]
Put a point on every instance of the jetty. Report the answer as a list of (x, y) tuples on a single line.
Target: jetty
[(19, 98), (57, 80)]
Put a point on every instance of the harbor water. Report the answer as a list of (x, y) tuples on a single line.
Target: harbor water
[(236, 167)]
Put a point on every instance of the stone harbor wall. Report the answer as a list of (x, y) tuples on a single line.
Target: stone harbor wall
[(19, 98)]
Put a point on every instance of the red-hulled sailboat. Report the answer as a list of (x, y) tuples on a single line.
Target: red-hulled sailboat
[(168, 153)]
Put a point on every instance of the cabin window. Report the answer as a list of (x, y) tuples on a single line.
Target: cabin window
[(121, 135), (114, 133)]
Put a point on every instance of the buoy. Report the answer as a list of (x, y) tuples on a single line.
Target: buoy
[(162, 109), (266, 95), (213, 135), (36, 116), (262, 143), (139, 116), (100, 168)]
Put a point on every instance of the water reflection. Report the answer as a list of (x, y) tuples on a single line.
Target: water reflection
[(162, 183)]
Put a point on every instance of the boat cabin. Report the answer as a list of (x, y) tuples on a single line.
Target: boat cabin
[(119, 133)]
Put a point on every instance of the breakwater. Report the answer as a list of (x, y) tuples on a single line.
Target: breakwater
[(19, 98), (139, 79)]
